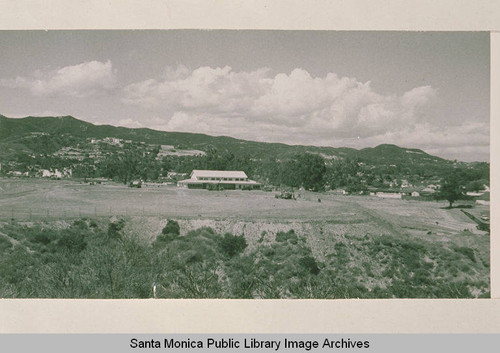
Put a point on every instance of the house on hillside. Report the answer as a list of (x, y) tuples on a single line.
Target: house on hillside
[(224, 179)]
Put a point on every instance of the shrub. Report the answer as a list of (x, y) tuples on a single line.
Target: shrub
[(172, 227), (468, 252), (282, 237), (232, 245), (309, 263), (80, 223), (73, 240), (4, 244), (115, 227), (42, 237)]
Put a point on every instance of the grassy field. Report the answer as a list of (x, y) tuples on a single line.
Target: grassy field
[(40, 198), (384, 245)]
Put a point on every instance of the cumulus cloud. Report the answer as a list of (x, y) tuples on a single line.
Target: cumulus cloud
[(298, 108), (294, 107), (80, 80), (289, 107)]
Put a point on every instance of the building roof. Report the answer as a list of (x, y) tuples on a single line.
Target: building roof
[(196, 181), (218, 174)]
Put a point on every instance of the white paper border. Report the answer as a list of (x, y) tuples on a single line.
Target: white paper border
[(256, 316)]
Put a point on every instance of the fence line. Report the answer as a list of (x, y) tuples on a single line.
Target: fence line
[(17, 214)]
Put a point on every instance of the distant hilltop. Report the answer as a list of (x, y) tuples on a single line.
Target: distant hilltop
[(13, 131)]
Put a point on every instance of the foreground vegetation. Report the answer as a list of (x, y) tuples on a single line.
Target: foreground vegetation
[(97, 259)]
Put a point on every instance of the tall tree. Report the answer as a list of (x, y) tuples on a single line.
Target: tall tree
[(452, 189)]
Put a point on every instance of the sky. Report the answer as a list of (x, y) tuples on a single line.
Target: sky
[(427, 90)]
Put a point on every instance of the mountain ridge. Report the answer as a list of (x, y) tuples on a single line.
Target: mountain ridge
[(10, 128)]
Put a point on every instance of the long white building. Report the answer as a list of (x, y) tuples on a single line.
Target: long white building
[(226, 179)]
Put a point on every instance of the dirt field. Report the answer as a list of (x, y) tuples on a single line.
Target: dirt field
[(38, 198), (249, 212)]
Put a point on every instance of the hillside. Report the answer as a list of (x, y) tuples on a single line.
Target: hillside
[(13, 133)]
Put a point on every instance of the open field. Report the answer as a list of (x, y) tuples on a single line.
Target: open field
[(402, 248), (38, 198), (238, 212)]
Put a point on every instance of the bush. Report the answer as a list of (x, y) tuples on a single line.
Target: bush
[(232, 245), (282, 237), (42, 237), (4, 244), (80, 223), (172, 227), (468, 252), (73, 240), (115, 227), (309, 263)]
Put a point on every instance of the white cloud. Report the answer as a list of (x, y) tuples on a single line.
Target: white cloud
[(264, 106), (299, 108), (80, 80)]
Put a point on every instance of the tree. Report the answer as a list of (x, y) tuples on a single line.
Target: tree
[(476, 185), (452, 189), (305, 170), (313, 170)]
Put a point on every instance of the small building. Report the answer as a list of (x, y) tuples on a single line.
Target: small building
[(223, 179), (415, 194)]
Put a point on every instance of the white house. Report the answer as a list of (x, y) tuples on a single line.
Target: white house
[(226, 179), (415, 194)]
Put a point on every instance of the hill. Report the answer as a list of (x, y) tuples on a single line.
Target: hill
[(15, 132)]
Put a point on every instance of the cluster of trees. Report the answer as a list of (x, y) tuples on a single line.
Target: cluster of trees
[(92, 259), (457, 182), (131, 163), (308, 170)]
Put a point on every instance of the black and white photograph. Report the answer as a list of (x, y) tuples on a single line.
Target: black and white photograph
[(244, 164)]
